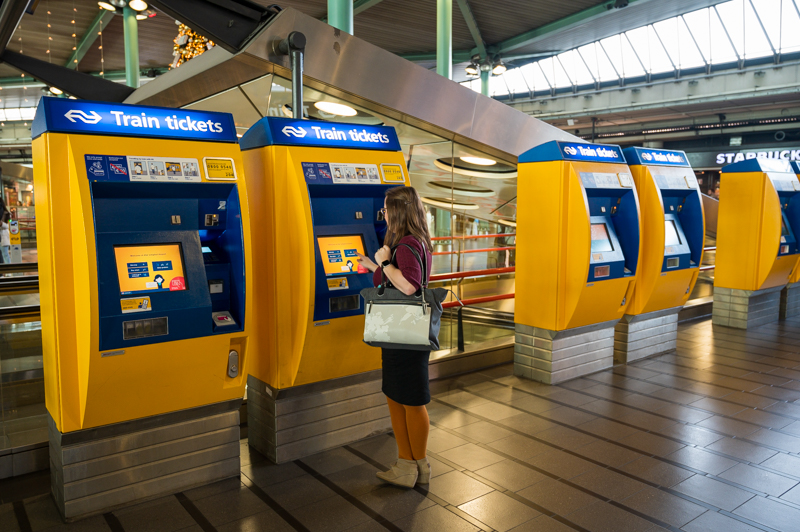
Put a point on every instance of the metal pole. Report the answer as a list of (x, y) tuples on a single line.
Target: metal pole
[(297, 84), (340, 15), (485, 82), (444, 38), (131, 29)]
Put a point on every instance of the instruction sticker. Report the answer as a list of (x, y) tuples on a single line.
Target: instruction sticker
[(341, 173), (339, 283), (219, 169), (392, 173), (136, 304)]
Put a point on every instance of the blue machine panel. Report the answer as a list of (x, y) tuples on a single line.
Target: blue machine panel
[(761, 164), (651, 157), (62, 115), (557, 150), (141, 214), (271, 131)]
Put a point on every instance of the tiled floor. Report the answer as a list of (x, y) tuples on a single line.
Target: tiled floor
[(705, 439)]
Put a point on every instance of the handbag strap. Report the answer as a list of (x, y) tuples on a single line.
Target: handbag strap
[(423, 268)]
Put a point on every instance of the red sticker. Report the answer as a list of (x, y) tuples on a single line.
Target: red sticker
[(177, 283), (362, 269)]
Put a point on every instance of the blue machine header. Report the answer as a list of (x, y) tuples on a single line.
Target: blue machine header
[(573, 151), (761, 164), (291, 132), (62, 115), (647, 156)]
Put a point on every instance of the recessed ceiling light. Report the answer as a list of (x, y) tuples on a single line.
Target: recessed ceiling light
[(137, 5), (333, 108), (106, 5), (481, 161), (447, 204), (56, 91), (507, 222), (457, 165), (141, 16), (462, 189)]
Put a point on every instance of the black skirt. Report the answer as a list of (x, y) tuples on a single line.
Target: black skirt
[(405, 376)]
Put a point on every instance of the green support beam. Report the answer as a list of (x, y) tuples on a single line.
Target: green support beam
[(131, 29), (459, 56), (485, 74), (444, 38), (359, 6), (472, 24), (530, 37), (101, 20), (340, 15)]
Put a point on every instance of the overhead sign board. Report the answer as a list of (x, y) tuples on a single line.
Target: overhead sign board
[(718, 159), (652, 157), (573, 151), (271, 131), (62, 115)]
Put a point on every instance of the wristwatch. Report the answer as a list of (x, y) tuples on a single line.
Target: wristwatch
[(385, 263)]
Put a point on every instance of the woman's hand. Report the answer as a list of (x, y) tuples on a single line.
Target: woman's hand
[(367, 262), (385, 253)]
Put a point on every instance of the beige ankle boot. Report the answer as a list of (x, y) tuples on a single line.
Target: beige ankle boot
[(423, 471), (403, 473)]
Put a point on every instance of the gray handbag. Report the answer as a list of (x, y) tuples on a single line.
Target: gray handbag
[(397, 321)]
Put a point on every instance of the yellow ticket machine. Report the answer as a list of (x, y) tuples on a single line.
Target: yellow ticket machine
[(317, 191), (790, 295), (144, 266), (759, 218), (579, 254), (673, 232)]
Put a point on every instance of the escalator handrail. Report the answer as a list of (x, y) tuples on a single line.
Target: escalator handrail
[(19, 267)]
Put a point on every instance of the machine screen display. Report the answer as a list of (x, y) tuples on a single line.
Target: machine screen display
[(784, 227), (340, 254), (600, 240), (671, 236), (150, 268)]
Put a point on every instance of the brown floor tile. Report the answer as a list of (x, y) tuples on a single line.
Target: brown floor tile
[(608, 453), (606, 428), (499, 511), (161, 515), (728, 426), (604, 517), (678, 396), (713, 492), (568, 415), (787, 409), (713, 521), (527, 423), (793, 495), (330, 515), (664, 507), (484, 432), (717, 406), (441, 440), (394, 503), (457, 488), (236, 504), (471, 457), (557, 496), (784, 463), (701, 459), (609, 484), (651, 443), (771, 513), (758, 479), (435, 518), (742, 450), (765, 419), (493, 411), (561, 464), (543, 523), (460, 398), (511, 475), (566, 437), (534, 405), (658, 472), (748, 399), (683, 413), (785, 442), (449, 417), (520, 447), (298, 492), (691, 434)]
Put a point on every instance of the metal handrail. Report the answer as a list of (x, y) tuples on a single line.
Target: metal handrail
[(472, 237), (19, 267), (477, 300), (473, 273), (462, 251)]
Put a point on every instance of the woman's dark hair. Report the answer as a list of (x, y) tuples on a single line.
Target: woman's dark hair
[(406, 216), (5, 215)]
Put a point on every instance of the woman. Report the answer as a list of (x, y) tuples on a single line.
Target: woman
[(405, 372), (5, 234)]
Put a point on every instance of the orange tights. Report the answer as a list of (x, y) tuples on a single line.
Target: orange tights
[(411, 426)]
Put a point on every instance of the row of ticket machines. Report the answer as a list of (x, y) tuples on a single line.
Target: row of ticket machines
[(179, 263)]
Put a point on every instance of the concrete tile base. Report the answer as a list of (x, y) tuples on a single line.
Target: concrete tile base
[(790, 301), (285, 425), (96, 470), (645, 335), (557, 356), (743, 309)]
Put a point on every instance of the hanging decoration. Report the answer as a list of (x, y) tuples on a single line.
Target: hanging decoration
[(188, 44)]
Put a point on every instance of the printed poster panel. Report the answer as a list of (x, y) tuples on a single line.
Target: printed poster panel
[(136, 304), (393, 173), (341, 173)]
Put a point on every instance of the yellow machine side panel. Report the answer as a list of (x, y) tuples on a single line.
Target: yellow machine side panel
[(575, 251), (539, 229), (748, 234), (148, 380), (657, 290)]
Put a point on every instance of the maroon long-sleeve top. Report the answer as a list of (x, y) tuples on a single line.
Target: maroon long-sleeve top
[(407, 263)]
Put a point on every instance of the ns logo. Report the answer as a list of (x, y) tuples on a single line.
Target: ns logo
[(569, 150)]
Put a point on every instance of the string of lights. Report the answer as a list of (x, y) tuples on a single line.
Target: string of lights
[(188, 44)]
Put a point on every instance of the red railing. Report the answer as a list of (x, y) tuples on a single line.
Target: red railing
[(477, 301), (485, 250), (473, 273), (472, 237)]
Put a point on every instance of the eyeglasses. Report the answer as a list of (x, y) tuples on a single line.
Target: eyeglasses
[(383, 211)]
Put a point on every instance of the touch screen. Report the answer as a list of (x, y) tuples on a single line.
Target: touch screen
[(600, 240), (340, 254), (671, 236), (784, 227), (150, 268)]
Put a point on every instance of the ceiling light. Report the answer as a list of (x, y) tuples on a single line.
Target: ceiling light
[(56, 91), (447, 204), (499, 68), (106, 5), (137, 5), (481, 161), (336, 108), (507, 222), (141, 16), (472, 69)]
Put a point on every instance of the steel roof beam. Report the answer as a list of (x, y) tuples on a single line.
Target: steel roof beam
[(100, 21), (359, 6), (472, 24)]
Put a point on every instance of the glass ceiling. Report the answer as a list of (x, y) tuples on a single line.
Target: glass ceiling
[(733, 31)]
